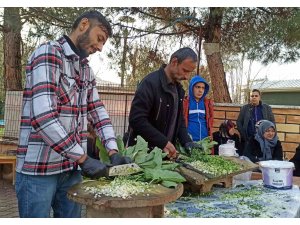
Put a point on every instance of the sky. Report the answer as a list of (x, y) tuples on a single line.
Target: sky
[(273, 71)]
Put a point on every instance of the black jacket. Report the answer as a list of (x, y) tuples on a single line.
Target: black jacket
[(253, 151), (151, 110), (296, 161), (245, 115)]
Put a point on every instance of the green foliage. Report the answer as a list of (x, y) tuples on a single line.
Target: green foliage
[(103, 154), (207, 144), (120, 144), (155, 169), (262, 34), (166, 176)]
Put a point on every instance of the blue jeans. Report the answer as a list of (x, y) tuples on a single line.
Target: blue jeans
[(37, 194)]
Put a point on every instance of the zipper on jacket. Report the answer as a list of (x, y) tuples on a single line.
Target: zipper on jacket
[(198, 117), (160, 101)]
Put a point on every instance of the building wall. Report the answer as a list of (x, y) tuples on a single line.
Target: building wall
[(282, 98), (287, 120)]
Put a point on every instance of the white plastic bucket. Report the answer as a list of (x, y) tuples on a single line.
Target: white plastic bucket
[(227, 150), (277, 174)]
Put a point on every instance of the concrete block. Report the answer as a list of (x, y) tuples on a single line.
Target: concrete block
[(290, 128)]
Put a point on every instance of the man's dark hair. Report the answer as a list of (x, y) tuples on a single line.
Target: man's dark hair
[(94, 15), (256, 90), (184, 53)]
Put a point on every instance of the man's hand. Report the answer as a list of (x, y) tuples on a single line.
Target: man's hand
[(190, 146), (93, 168), (170, 150), (117, 159)]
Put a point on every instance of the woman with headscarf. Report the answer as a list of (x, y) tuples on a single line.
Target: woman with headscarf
[(265, 144), (227, 132)]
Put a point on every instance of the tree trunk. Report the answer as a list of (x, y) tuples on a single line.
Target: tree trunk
[(12, 49), (213, 56)]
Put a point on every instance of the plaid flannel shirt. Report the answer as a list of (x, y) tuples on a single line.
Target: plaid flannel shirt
[(59, 99)]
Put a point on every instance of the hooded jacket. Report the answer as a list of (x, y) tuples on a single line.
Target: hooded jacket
[(198, 115)]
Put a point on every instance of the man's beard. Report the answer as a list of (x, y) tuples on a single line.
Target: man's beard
[(83, 40)]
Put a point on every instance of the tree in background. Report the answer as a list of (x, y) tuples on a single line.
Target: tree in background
[(143, 43), (12, 40), (230, 32), (262, 34)]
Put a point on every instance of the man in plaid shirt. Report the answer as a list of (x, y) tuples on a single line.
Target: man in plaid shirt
[(59, 100)]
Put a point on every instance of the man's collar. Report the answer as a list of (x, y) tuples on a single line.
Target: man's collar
[(168, 79), (74, 48)]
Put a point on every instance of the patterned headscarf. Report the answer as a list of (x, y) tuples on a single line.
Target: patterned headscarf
[(225, 127), (265, 145)]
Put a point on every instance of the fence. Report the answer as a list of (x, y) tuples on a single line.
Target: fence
[(117, 101)]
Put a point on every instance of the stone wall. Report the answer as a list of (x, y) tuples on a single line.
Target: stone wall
[(287, 120)]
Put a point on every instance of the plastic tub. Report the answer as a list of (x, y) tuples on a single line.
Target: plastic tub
[(277, 174), (227, 150)]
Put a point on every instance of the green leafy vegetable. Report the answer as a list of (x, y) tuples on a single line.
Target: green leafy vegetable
[(207, 144), (103, 154), (155, 168), (158, 175)]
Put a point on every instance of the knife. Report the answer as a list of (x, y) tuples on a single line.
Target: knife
[(125, 169)]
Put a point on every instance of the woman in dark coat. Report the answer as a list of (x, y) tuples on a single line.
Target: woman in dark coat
[(265, 144), (296, 161), (226, 132)]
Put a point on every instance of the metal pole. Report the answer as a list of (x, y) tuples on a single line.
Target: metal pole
[(125, 114)]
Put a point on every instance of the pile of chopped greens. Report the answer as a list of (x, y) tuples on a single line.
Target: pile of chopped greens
[(201, 159), (214, 165), (119, 187)]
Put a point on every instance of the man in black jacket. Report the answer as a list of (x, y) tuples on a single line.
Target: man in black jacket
[(156, 110), (251, 113)]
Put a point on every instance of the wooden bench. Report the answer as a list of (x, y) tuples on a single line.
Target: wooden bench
[(9, 159)]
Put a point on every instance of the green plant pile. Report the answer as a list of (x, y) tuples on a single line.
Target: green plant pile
[(121, 187), (215, 165), (155, 169), (206, 143), (201, 159)]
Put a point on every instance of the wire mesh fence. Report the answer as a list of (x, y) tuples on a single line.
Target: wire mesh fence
[(117, 101)]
